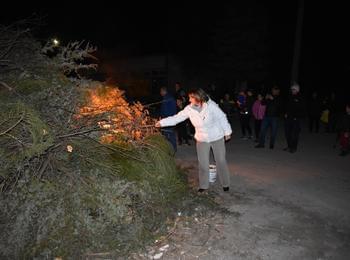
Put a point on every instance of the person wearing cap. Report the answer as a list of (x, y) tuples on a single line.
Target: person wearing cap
[(295, 110)]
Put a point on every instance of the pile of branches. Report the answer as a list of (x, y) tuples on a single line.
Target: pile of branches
[(38, 100), (13, 40), (18, 51), (71, 57), (75, 178)]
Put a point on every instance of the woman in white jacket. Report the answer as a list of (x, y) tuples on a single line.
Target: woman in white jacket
[(211, 130)]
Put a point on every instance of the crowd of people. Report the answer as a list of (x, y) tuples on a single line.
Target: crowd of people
[(264, 112), (260, 115)]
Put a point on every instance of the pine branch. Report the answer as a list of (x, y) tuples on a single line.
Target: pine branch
[(9, 129)]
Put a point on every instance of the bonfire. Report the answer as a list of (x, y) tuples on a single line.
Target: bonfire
[(116, 116)]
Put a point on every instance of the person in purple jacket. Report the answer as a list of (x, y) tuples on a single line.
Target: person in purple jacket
[(258, 111)]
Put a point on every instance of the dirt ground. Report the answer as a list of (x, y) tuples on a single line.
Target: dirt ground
[(280, 205)]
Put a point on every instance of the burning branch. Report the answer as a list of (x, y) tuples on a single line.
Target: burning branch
[(120, 119)]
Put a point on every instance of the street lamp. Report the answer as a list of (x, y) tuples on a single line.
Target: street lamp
[(55, 42)]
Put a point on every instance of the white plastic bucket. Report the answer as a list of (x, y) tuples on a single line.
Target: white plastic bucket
[(212, 173)]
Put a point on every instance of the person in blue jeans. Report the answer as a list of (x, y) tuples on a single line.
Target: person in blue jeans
[(270, 121), (168, 108)]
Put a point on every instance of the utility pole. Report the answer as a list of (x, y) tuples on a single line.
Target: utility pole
[(297, 42)]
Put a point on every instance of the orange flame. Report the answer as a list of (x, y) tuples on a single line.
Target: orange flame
[(114, 114)]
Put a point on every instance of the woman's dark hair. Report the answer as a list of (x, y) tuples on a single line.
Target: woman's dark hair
[(199, 94)]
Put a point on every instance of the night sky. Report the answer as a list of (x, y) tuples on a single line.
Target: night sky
[(189, 30)]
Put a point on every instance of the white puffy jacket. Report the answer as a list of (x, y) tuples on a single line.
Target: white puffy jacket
[(210, 123)]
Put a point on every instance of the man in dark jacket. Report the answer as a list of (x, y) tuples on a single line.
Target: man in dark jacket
[(273, 111), (180, 93), (295, 110), (168, 108)]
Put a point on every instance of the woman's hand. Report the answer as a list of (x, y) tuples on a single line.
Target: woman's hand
[(157, 124), (227, 137)]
